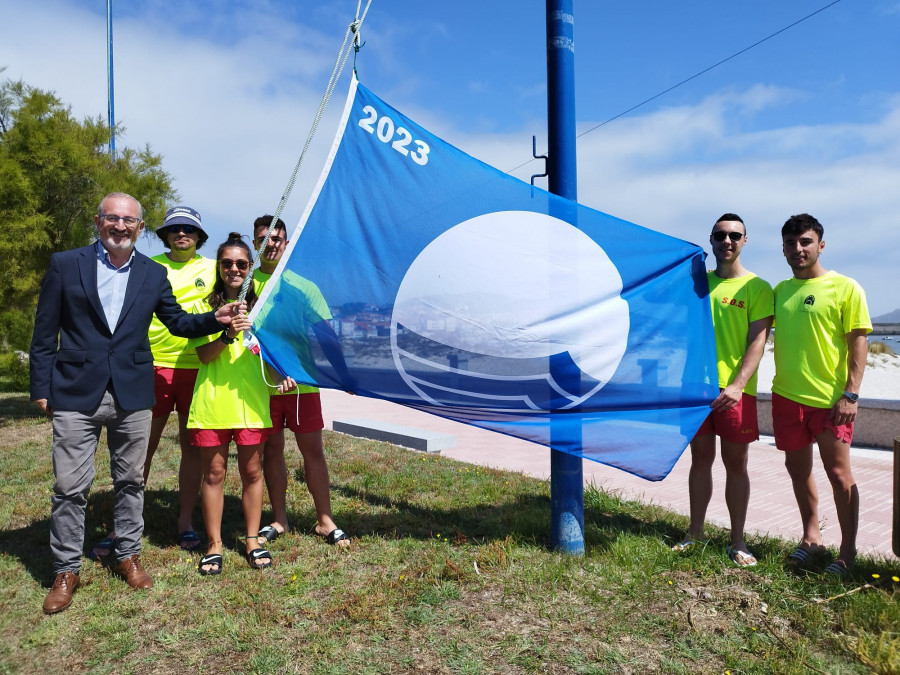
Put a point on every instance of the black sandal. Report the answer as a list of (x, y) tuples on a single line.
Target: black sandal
[(210, 559), (269, 533), (336, 536), (254, 556)]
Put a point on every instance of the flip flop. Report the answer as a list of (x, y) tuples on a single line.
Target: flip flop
[(189, 541), (741, 557), (336, 536), (838, 569), (210, 559), (104, 548), (800, 556), (254, 556), (269, 533), (803, 556)]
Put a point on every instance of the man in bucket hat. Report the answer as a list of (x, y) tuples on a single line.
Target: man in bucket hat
[(174, 363)]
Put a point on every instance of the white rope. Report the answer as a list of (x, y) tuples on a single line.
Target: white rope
[(274, 386), (344, 52)]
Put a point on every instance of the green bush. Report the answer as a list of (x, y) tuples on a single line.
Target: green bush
[(16, 326), (14, 366)]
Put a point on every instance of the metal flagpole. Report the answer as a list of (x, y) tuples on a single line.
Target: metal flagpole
[(110, 110), (566, 475)]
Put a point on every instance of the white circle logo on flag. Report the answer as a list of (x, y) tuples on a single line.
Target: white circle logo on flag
[(486, 303)]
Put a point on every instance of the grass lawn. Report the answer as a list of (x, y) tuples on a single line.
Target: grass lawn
[(448, 572)]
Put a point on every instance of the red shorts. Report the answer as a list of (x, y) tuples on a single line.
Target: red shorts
[(736, 425), (174, 389), (797, 425), (210, 438), (301, 413)]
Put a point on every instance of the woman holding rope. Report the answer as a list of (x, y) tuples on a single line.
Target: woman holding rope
[(231, 401)]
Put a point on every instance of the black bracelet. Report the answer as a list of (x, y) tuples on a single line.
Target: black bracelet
[(224, 337)]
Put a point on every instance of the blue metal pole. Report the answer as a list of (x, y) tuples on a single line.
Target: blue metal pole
[(111, 112), (566, 476)]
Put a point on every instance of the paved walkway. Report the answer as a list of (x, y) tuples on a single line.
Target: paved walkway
[(772, 506)]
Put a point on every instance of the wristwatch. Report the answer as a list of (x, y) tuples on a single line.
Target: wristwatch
[(224, 338), (850, 396)]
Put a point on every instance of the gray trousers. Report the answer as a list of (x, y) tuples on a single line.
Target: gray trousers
[(75, 438)]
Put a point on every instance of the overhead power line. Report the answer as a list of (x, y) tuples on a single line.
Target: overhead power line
[(695, 75), (706, 70)]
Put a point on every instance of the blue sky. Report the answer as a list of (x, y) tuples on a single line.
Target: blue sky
[(226, 92)]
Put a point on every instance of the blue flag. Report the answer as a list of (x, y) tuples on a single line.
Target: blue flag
[(423, 276)]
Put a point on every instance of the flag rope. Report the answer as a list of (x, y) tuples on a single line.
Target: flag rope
[(344, 51)]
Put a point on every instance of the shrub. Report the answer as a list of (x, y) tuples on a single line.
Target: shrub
[(14, 366)]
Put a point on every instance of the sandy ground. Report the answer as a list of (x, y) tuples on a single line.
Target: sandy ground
[(881, 380)]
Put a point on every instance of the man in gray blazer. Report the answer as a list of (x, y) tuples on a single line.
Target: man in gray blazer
[(91, 367)]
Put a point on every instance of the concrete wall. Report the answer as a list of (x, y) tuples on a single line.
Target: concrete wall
[(876, 426), (885, 329)]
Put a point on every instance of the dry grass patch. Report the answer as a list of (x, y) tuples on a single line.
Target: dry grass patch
[(881, 348)]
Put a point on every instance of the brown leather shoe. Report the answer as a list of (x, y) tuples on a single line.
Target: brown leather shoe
[(134, 574), (60, 596)]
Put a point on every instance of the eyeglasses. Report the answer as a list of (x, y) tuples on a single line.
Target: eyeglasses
[(112, 219), (227, 264), (719, 235), (187, 229)]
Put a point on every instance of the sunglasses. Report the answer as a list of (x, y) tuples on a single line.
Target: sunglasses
[(187, 229), (719, 235), (227, 264)]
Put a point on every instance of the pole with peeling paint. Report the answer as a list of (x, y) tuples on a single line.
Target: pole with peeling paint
[(566, 475)]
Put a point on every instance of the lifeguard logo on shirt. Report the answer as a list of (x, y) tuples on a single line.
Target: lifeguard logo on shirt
[(199, 283), (808, 303), (733, 302)]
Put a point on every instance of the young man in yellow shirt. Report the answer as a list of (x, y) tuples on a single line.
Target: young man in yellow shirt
[(299, 410), (821, 322), (742, 309)]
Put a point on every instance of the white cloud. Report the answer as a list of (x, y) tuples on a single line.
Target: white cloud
[(230, 121), (766, 176)]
